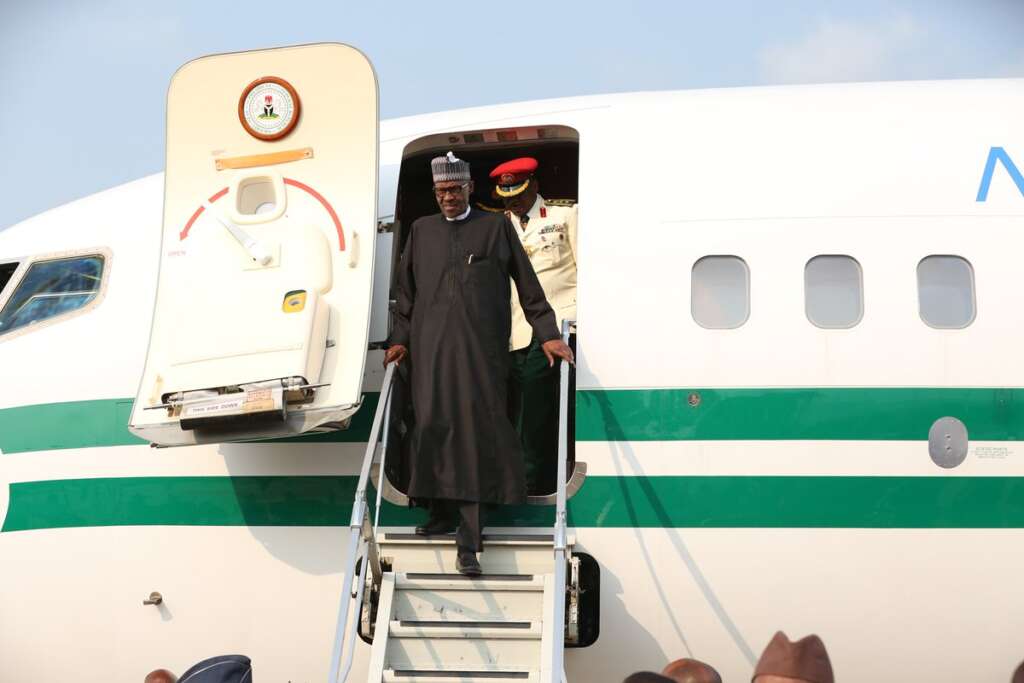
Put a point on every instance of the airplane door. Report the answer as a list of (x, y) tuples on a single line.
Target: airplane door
[(266, 266)]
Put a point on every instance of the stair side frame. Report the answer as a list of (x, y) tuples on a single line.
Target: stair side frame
[(547, 637), (385, 605)]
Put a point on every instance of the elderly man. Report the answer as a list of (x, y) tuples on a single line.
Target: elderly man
[(547, 230), (453, 320), (784, 661), (161, 676)]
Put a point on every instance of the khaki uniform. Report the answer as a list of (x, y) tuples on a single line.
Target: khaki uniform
[(550, 242)]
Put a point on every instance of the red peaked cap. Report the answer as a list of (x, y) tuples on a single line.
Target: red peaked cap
[(511, 176)]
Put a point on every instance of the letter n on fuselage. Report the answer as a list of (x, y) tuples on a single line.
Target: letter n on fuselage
[(999, 154)]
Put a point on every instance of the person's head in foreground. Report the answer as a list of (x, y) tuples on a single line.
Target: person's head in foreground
[(160, 676), (784, 661), (647, 677), (688, 670), (221, 669)]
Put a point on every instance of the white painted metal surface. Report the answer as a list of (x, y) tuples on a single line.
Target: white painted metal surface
[(886, 173), (301, 310), (430, 619)]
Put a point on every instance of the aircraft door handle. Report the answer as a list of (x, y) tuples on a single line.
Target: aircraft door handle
[(353, 252), (153, 599)]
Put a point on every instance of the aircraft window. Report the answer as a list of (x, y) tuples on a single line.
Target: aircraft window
[(945, 291), (833, 291), (720, 292), (6, 271), (51, 288)]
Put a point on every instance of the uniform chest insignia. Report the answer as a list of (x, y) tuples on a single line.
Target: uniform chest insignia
[(558, 227), (543, 212)]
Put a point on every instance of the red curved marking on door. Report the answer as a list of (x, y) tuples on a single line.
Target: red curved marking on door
[(199, 211), (327, 205), (287, 181)]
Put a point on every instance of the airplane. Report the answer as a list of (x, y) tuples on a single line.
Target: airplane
[(798, 401)]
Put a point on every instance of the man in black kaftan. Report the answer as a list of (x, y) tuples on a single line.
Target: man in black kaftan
[(453, 319)]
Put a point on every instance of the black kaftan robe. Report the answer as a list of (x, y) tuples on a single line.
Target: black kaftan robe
[(454, 316)]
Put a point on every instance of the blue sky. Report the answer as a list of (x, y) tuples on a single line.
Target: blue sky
[(83, 82)]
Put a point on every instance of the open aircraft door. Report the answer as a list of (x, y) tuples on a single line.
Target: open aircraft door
[(266, 267)]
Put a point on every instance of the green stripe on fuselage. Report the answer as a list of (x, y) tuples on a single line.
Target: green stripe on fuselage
[(873, 414), (603, 502), (74, 424), (816, 414), (95, 424)]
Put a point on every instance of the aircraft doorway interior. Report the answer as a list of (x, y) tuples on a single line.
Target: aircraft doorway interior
[(556, 150)]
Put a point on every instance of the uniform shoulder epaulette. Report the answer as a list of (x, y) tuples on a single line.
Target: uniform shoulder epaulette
[(560, 202)]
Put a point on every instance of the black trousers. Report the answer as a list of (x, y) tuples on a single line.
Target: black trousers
[(533, 410), (470, 517)]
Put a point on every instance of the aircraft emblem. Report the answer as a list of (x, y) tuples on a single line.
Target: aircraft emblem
[(269, 108)]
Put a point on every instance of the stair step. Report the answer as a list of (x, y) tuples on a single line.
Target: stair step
[(504, 553), (498, 629), (425, 558), (493, 538), (487, 582), (462, 653), (439, 626), (491, 675), (463, 605)]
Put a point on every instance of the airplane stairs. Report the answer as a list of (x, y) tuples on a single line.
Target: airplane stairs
[(430, 624), (434, 625)]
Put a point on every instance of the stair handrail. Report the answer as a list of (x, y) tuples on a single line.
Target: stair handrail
[(557, 618), (361, 532)]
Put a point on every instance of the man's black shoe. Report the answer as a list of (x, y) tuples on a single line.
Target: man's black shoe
[(467, 564), (436, 526)]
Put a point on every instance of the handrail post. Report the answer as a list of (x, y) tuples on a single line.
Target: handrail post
[(560, 534), (356, 533)]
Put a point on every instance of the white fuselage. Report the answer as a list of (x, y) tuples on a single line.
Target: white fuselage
[(772, 476)]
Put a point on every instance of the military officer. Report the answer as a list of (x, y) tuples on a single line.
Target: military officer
[(547, 230)]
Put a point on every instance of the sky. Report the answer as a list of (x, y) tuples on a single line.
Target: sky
[(83, 82)]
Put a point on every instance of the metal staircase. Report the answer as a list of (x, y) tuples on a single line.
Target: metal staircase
[(442, 626), (430, 624)]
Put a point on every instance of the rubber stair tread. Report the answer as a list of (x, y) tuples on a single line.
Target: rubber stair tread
[(465, 630), (463, 675), (455, 624), (457, 582), (449, 539), (462, 577)]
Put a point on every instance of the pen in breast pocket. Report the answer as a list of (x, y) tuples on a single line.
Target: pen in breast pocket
[(469, 261)]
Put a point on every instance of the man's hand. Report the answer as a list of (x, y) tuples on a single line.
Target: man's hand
[(396, 353), (556, 348)]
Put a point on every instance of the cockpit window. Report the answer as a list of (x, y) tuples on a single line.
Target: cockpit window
[(6, 271), (52, 288)]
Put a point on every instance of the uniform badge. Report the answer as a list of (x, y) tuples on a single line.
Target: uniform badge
[(558, 227)]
